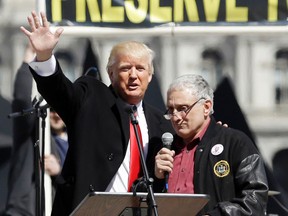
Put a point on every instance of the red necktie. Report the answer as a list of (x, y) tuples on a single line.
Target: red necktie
[(135, 163)]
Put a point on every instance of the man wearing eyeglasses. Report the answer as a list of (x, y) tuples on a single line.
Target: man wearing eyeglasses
[(207, 158)]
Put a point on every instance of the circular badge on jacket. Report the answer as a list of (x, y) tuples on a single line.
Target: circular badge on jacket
[(221, 168), (217, 149)]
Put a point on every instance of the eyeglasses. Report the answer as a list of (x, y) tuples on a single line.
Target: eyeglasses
[(182, 111)]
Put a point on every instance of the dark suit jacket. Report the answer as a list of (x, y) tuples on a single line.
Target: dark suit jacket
[(98, 134)]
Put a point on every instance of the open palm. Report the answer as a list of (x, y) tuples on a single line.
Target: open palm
[(40, 36)]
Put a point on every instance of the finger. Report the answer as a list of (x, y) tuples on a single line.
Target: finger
[(36, 20), (173, 153), (165, 164), (219, 122), (44, 20), (163, 169), (167, 157), (31, 23), (58, 32), (25, 31), (164, 151)]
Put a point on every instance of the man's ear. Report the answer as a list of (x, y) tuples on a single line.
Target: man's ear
[(110, 74), (207, 107), (150, 77)]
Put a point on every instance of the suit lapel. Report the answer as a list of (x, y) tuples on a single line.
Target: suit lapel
[(124, 119), (117, 107)]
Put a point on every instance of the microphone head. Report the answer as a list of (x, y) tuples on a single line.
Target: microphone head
[(167, 139), (130, 108)]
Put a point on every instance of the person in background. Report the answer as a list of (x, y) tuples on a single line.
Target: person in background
[(59, 146), (96, 116), (21, 183), (54, 161), (207, 158)]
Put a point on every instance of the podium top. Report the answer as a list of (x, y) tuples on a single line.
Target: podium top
[(126, 204)]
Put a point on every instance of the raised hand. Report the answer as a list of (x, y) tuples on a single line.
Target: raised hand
[(41, 38)]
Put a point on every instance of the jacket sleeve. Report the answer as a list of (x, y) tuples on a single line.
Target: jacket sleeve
[(251, 188)]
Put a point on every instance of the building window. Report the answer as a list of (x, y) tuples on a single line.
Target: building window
[(281, 77)]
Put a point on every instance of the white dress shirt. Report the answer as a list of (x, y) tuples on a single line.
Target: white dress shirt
[(119, 183)]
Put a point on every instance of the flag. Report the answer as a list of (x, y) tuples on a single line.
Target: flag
[(91, 64), (228, 110), (154, 96)]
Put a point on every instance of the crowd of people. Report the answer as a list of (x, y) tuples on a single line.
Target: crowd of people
[(205, 157)]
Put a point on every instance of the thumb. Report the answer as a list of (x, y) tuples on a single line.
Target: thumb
[(58, 32)]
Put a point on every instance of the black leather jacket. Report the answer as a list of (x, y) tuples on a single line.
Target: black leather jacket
[(228, 167)]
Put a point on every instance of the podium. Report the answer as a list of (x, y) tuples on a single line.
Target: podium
[(126, 204)]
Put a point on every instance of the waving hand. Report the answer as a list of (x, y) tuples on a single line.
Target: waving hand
[(40, 36)]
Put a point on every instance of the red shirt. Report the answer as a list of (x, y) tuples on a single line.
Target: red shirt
[(181, 177)]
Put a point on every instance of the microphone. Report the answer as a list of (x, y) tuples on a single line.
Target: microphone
[(131, 109), (36, 104), (167, 139), (37, 100)]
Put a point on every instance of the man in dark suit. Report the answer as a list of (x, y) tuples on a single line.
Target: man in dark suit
[(95, 116)]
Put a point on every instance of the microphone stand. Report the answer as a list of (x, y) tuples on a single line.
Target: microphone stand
[(41, 112), (151, 202)]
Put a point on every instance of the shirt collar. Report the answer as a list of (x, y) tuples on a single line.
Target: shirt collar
[(203, 131), (180, 144)]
